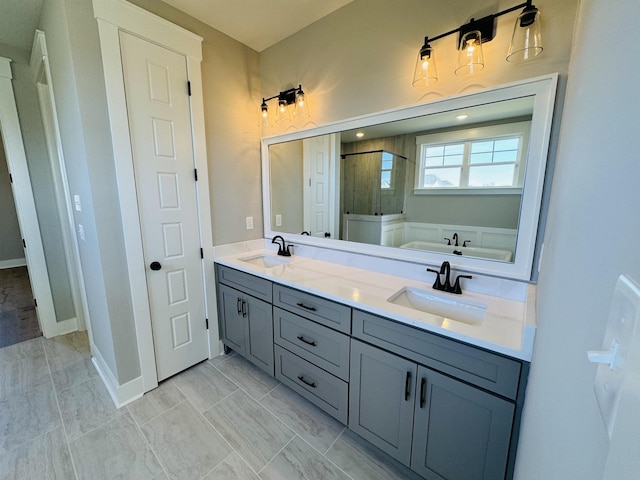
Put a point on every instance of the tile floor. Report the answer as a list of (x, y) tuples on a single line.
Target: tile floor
[(18, 320), (221, 419)]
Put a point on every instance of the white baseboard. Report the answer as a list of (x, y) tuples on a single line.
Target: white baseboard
[(120, 394), (13, 263), (60, 328)]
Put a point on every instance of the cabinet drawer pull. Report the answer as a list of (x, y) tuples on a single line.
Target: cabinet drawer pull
[(423, 392), (308, 342), (306, 307), (244, 309), (407, 386), (239, 305), (306, 382)]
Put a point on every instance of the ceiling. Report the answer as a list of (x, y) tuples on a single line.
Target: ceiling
[(256, 23)]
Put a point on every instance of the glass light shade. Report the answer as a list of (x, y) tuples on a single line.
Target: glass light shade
[(470, 59), (282, 113), (426, 72), (302, 105), (526, 41)]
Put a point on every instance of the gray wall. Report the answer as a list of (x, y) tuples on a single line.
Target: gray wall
[(287, 188), (41, 181), (592, 222), (10, 237), (356, 71), (78, 83)]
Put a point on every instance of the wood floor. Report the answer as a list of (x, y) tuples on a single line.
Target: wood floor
[(18, 320)]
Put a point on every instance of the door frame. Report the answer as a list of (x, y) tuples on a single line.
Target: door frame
[(113, 16), (25, 203), (41, 72)]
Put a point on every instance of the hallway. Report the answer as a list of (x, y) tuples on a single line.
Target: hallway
[(18, 320)]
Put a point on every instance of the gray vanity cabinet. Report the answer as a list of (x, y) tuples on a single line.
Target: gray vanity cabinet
[(459, 432), (381, 399), (312, 348), (442, 428), (446, 409), (246, 323)]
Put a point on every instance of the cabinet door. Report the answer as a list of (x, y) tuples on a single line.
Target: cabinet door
[(231, 322), (459, 432), (381, 399), (259, 333)]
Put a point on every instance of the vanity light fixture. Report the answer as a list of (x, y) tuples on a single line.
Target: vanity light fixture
[(526, 43), (462, 116), (294, 98), (360, 134)]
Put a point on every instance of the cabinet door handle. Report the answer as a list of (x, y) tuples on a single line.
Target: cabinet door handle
[(239, 305), (407, 386), (244, 309), (306, 382), (308, 342), (306, 307), (423, 392)]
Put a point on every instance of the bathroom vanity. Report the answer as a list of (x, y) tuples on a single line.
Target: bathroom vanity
[(442, 396), (351, 322)]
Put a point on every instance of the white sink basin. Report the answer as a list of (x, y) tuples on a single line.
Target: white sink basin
[(446, 305), (265, 260)]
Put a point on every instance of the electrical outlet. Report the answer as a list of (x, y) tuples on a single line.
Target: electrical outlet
[(81, 232), (76, 203), (249, 223), (278, 220)]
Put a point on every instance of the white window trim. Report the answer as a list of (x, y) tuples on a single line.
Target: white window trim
[(464, 135)]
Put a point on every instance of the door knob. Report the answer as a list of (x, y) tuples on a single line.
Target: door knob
[(155, 266)]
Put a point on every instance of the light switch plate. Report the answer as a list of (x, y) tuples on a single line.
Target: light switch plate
[(624, 316), (249, 221), (278, 220), (76, 203)]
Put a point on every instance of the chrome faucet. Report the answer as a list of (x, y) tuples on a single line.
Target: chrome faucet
[(283, 249), (445, 269)]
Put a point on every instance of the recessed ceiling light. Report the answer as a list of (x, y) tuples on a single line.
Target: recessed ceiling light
[(360, 134), (463, 116)]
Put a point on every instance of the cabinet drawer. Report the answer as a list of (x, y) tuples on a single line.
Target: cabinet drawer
[(316, 343), (319, 387), (473, 365), (249, 284), (318, 309)]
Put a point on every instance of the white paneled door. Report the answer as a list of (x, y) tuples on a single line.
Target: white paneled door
[(317, 202), (160, 126)]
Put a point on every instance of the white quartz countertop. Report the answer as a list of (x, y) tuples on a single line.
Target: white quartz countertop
[(508, 326)]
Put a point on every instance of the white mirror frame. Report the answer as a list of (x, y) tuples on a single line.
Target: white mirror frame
[(544, 90)]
